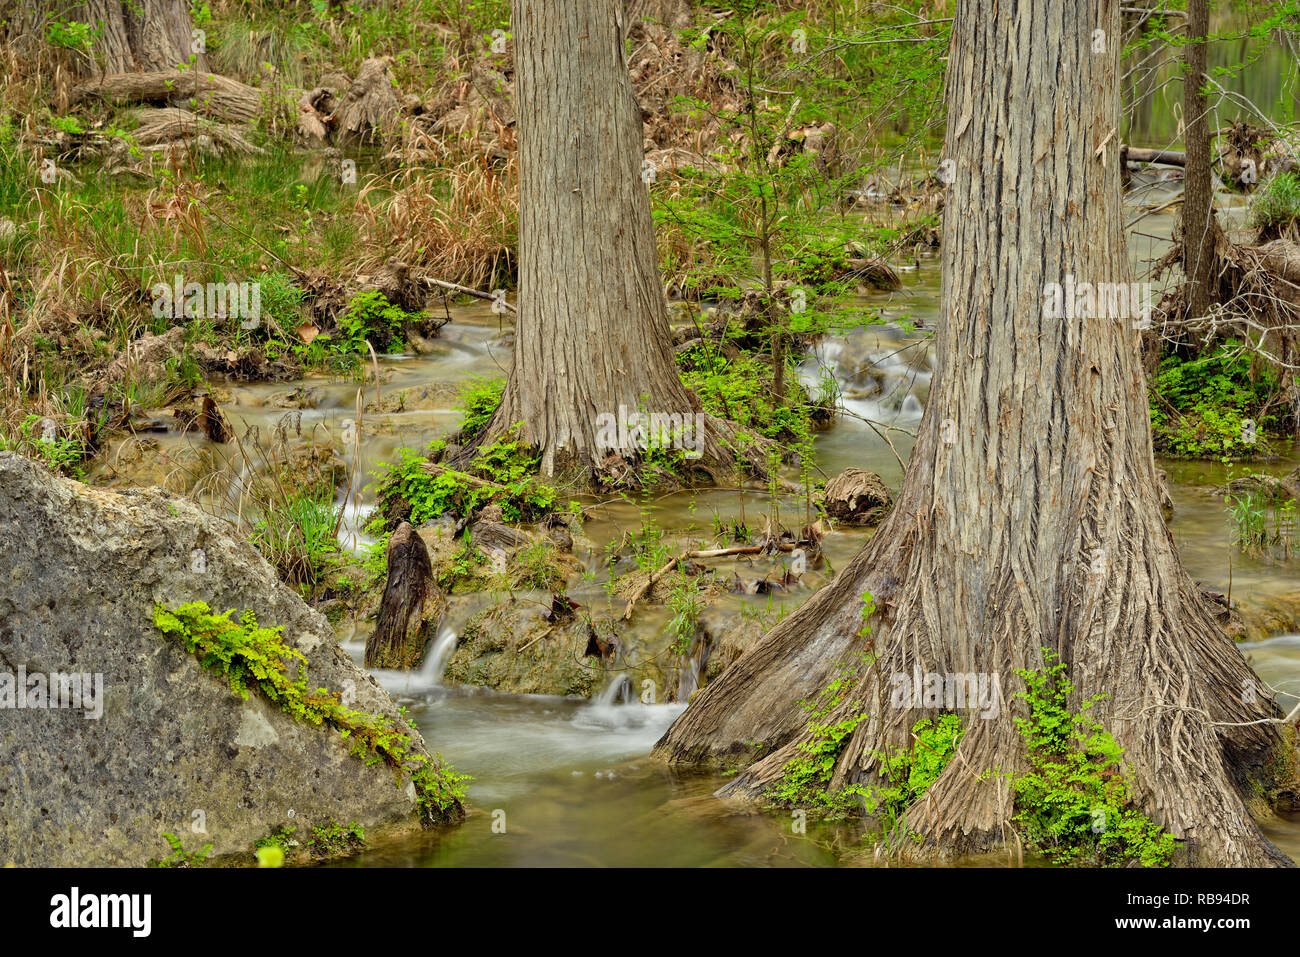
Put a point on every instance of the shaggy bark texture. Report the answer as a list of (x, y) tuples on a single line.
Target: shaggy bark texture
[(400, 635), (1030, 513), (592, 334)]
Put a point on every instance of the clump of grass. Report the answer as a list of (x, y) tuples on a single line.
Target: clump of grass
[(461, 224), (1277, 204), (282, 503)]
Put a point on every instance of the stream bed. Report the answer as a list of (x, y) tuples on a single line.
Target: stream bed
[(568, 781)]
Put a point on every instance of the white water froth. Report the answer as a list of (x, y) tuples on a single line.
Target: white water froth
[(618, 709), (429, 676)]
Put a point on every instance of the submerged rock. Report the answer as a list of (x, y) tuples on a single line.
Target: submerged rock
[(530, 647), (164, 746)]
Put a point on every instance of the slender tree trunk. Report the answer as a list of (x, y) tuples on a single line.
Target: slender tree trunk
[(1029, 516), (592, 333), (1198, 199)]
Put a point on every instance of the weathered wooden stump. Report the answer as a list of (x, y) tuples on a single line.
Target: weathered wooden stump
[(400, 634)]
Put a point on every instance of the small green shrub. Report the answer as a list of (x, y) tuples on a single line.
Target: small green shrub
[(686, 602), (1217, 404), (1073, 804), (371, 317), (60, 453), (333, 839), (478, 402), (907, 773), (408, 490), (179, 857), (805, 779)]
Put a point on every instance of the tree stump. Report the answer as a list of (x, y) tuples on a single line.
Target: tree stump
[(400, 635), (856, 497)]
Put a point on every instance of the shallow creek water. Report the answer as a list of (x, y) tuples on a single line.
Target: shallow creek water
[(571, 777)]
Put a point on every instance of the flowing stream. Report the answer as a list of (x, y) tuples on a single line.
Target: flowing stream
[(569, 782)]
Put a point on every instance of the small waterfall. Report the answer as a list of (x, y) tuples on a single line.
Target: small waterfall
[(688, 678), (435, 661), (619, 691)]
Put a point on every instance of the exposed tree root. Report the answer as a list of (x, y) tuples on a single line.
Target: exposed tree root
[(214, 96)]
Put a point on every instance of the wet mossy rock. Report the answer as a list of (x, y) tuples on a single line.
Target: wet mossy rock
[(856, 497), (80, 573), (1266, 616), (513, 646)]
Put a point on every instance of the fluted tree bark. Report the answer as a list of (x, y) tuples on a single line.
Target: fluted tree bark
[(130, 35), (1029, 517)]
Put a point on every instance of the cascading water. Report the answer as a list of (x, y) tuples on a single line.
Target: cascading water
[(617, 708), (618, 691), (435, 662), (411, 684)]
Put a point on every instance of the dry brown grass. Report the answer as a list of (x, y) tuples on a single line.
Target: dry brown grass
[(459, 223)]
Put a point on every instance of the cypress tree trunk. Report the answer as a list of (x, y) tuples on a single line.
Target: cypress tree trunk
[(1029, 516), (400, 635), (133, 35), (592, 332)]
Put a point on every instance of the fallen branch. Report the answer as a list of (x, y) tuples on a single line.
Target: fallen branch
[(214, 95), (650, 583), (1135, 154), (707, 553), (465, 290)]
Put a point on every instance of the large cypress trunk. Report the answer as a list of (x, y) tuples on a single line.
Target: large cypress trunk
[(592, 331), (133, 35), (1029, 516)]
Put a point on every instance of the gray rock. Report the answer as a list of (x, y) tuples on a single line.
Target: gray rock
[(174, 748)]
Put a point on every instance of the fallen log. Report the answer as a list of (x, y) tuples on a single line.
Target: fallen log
[(1135, 154), (214, 95), (168, 124)]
